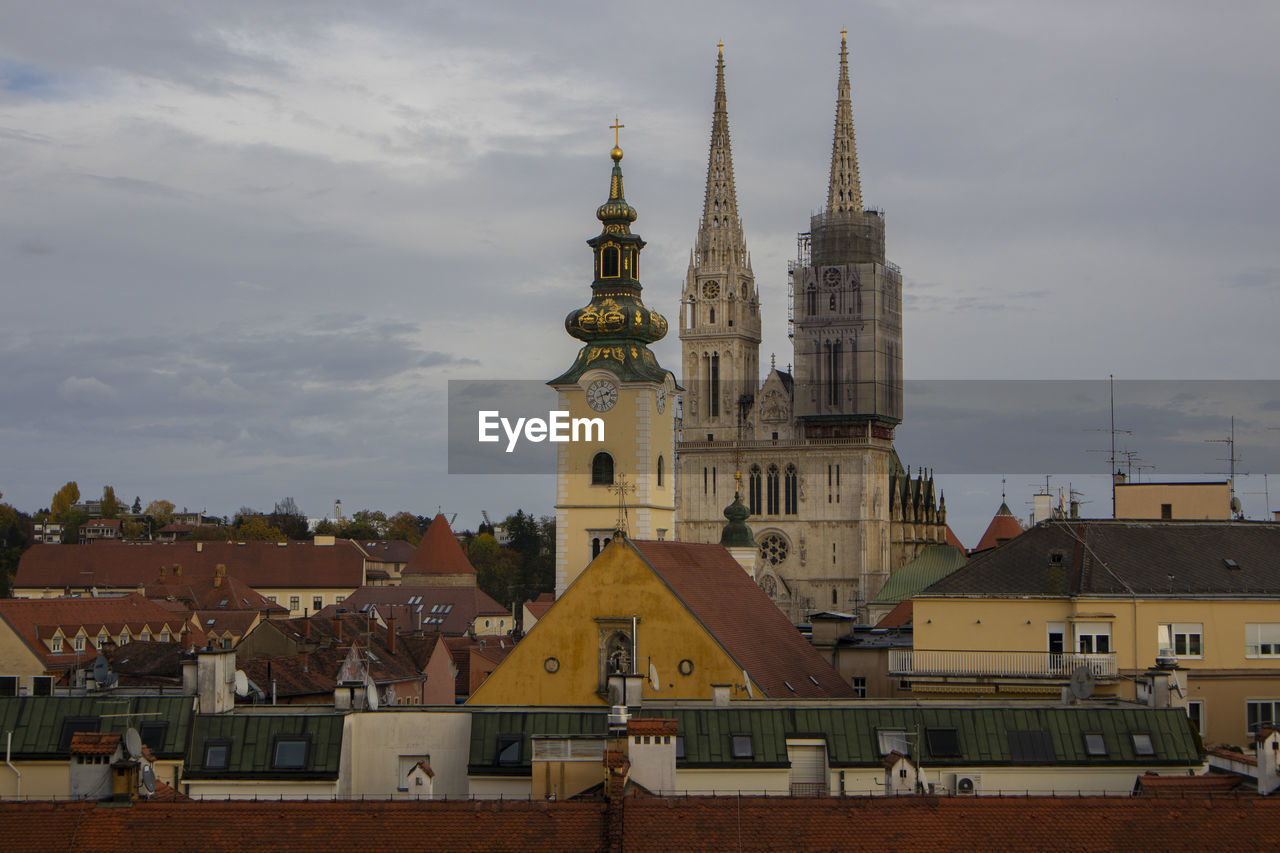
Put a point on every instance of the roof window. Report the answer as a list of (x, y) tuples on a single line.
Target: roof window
[(943, 743), (217, 754), (1095, 745), (742, 747), (1142, 744), (290, 752), (509, 749)]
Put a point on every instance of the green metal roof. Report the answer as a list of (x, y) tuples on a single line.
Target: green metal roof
[(931, 565), (489, 727), (252, 739), (36, 721), (852, 734)]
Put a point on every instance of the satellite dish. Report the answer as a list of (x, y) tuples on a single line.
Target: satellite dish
[(133, 743), (653, 677), (101, 670), (1236, 506), (148, 779), (242, 683), (746, 680), (371, 696), (1082, 682)]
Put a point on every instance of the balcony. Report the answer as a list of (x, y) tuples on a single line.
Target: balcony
[(993, 664)]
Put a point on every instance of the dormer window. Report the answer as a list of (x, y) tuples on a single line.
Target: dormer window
[(57, 644)]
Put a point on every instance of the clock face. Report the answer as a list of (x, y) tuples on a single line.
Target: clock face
[(831, 277), (602, 395), (662, 401), (711, 289)]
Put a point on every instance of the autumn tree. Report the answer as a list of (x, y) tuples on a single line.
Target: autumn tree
[(160, 512), (256, 528), (288, 519), (110, 506), (133, 529), (63, 499), (16, 535), (404, 526)]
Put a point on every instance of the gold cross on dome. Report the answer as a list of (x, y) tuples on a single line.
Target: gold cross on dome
[(615, 127), (721, 47)]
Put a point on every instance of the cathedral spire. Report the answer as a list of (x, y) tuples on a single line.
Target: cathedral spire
[(720, 233), (844, 192)]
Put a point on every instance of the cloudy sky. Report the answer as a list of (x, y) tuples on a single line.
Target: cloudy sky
[(244, 245)]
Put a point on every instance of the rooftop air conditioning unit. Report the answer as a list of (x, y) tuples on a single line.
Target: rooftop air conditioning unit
[(968, 785)]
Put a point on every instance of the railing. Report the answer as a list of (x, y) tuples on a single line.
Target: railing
[(999, 664), (808, 789)]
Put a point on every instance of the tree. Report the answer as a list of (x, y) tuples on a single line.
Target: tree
[(133, 529), (160, 512), (255, 528), (110, 506), (71, 521), (497, 568), (209, 533), (325, 527), (534, 540), (16, 535), (365, 524), (136, 509), (287, 518), (404, 526), (63, 499)]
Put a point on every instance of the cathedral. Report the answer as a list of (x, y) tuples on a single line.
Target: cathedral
[(810, 448), (806, 454)]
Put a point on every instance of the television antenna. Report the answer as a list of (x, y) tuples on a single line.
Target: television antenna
[(1231, 459), (1114, 432)]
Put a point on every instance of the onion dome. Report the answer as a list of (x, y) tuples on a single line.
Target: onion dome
[(736, 534), (616, 326)]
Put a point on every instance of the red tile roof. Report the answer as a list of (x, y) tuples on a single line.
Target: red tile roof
[(898, 616), (424, 607), (540, 605), (1231, 755), (1154, 784), (95, 743), (953, 539), (650, 726), (35, 620), (439, 553), (1190, 825), (1003, 527), (743, 620), (260, 564)]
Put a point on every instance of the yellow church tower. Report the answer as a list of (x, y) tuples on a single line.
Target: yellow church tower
[(622, 483)]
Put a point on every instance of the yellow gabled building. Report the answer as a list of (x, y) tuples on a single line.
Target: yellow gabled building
[(1112, 598), (683, 620)]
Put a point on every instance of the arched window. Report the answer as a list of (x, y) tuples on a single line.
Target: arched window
[(609, 262), (834, 601), (661, 469), (715, 386), (790, 492), (753, 490), (713, 316), (704, 481), (602, 469), (772, 491), (811, 299), (595, 547)]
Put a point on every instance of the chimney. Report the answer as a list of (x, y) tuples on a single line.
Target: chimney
[(391, 634), (177, 568), (337, 629), (306, 628), (164, 571), (219, 572)]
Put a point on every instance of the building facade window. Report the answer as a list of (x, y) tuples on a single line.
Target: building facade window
[(602, 469), (1262, 712), (1262, 640), (753, 490), (774, 548), (317, 603), (714, 403), (295, 603), (1195, 713), (1183, 639), (790, 502), (771, 491), (1093, 638), (57, 644), (860, 686), (661, 469)]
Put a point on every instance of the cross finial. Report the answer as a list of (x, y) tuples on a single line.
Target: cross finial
[(843, 32), (622, 488), (615, 127), (720, 46)]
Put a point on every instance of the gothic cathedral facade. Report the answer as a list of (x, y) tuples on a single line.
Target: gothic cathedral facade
[(832, 510)]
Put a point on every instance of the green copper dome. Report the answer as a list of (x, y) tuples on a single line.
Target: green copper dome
[(616, 326), (736, 533)]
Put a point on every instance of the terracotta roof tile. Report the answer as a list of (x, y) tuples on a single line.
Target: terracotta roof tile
[(95, 743), (648, 726), (259, 564), (35, 620), (1156, 785), (1003, 527), (743, 620), (1191, 825), (439, 553), (898, 616)]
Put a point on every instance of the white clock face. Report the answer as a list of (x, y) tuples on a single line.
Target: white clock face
[(602, 395)]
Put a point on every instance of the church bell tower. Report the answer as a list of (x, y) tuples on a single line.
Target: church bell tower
[(624, 483)]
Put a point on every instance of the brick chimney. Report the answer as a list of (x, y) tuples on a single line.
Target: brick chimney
[(391, 634), (164, 571), (306, 628), (337, 629), (177, 570), (219, 572)]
